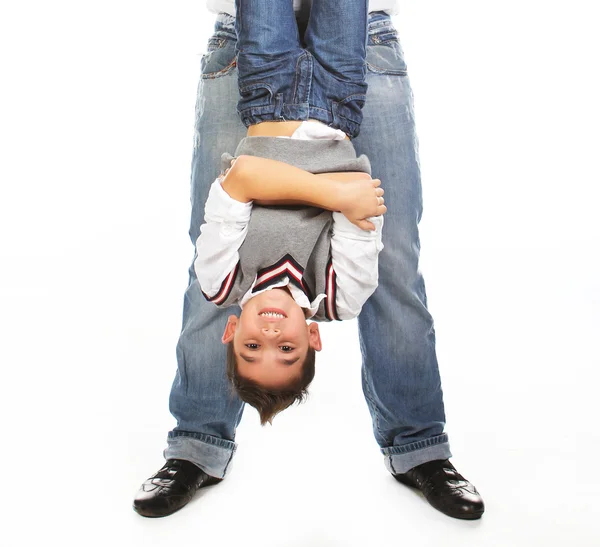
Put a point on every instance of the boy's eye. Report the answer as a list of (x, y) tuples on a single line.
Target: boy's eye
[(252, 346), (287, 349)]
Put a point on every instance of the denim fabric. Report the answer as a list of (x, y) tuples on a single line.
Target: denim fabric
[(400, 375), (286, 76)]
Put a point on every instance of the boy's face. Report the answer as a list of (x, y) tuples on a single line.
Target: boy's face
[(271, 338)]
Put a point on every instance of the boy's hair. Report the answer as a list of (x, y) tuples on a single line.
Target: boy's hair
[(270, 402)]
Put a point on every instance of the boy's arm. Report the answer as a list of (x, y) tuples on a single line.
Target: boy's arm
[(355, 259), (346, 176), (264, 180), (222, 234), (271, 182)]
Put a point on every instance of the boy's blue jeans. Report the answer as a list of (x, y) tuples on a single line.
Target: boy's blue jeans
[(400, 375), (320, 76)]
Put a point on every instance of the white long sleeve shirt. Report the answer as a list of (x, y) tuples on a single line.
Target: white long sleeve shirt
[(354, 252)]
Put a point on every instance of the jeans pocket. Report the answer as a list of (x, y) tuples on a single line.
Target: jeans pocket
[(219, 58), (384, 52), (351, 107), (256, 94)]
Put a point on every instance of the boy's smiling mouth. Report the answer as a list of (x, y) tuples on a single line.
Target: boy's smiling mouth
[(272, 314)]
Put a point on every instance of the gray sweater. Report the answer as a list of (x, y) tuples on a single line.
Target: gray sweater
[(293, 241)]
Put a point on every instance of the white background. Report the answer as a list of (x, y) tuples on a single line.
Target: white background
[(96, 116)]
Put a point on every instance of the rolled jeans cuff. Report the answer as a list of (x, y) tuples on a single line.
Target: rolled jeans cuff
[(211, 454), (400, 459)]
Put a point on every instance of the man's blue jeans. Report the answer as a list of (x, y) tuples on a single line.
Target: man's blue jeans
[(400, 375), (319, 76)]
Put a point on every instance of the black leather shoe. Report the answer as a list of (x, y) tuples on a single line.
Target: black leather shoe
[(445, 489), (171, 488)]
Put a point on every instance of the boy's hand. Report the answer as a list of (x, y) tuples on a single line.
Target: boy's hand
[(361, 199)]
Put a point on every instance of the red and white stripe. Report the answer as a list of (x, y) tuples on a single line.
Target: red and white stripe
[(226, 286), (330, 292), (287, 265)]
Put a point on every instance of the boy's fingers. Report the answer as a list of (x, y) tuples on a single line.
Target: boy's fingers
[(376, 182), (366, 225)]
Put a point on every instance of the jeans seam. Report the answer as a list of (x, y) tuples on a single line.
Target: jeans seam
[(391, 462), (352, 97), (369, 397), (228, 461), (183, 374), (390, 72), (305, 55), (222, 72)]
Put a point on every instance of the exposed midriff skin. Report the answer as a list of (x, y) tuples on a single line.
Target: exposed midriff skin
[(276, 129)]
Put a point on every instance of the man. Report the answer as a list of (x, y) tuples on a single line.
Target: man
[(400, 374)]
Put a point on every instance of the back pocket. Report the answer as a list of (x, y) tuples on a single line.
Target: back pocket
[(219, 58)]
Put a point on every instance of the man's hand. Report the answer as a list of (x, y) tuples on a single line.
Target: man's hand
[(361, 199)]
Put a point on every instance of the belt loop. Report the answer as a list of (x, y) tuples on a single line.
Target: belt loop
[(278, 105), (334, 115)]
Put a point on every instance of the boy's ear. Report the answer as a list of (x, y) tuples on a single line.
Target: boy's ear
[(229, 329), (314, 336)]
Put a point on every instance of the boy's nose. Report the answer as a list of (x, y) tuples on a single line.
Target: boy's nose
[(270, 330)]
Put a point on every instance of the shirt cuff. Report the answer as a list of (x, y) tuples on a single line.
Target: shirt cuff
[(342, 226)]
